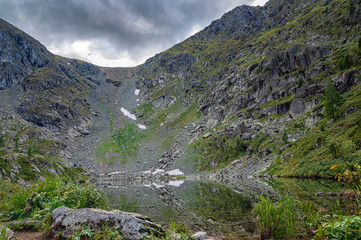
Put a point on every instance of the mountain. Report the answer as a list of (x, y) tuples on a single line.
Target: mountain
[(244, 96)]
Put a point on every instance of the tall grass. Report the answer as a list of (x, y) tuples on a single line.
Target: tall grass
[(276, 220)]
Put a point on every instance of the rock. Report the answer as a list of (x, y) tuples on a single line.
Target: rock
[(207, 135), (199, 235), (332, 194), (9, 234), (320, 194), (66, 221)]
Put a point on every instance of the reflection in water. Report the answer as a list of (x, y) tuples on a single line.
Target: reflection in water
[(212, 207)]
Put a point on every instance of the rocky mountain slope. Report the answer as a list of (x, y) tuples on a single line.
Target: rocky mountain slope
[(244, 94)]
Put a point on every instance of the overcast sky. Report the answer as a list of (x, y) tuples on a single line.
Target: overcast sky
[(114, 33)]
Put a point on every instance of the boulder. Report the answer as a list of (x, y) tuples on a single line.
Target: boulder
[(66, 221), (200, 235)]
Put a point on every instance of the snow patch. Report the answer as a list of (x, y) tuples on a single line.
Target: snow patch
[(154, 185), (175, 183), (155, 171), (141, 126), (128, 114), (175, 172), (136, 92)]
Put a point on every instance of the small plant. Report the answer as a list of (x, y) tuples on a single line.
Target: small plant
[(343, 227), (3, 233), (299, 81)]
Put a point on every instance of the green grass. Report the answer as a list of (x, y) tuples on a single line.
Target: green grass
[(124, 142)]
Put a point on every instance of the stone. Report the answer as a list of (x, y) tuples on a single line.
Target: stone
[(199, 235), (66, 221), (207, 135)]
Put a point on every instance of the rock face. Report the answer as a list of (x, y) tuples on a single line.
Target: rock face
[(132, 226)]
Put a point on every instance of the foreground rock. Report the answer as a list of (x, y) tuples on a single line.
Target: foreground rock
[(132, 226)]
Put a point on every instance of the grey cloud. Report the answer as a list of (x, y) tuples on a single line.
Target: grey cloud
[(136, 26)]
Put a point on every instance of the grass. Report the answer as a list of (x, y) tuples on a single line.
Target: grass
[(124, 142)]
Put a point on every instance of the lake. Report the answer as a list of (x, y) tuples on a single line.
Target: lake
[(221, 209)]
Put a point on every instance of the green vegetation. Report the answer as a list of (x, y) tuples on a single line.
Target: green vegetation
[(39, 199), (343, 227), (104, 233), (333, 101), (218, 151), (329, 143), (346, 62), (284, 219), (124, 142)]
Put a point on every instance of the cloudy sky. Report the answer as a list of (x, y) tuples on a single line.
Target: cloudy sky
[(114, 33)]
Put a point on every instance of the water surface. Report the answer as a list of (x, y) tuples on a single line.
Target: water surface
[(223, 210)]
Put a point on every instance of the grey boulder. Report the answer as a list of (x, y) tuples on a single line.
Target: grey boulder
[(66, 221)]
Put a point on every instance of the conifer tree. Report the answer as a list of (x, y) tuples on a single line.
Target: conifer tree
[(333, 101)]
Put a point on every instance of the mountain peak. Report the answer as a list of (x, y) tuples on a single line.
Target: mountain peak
[(241, 21)]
